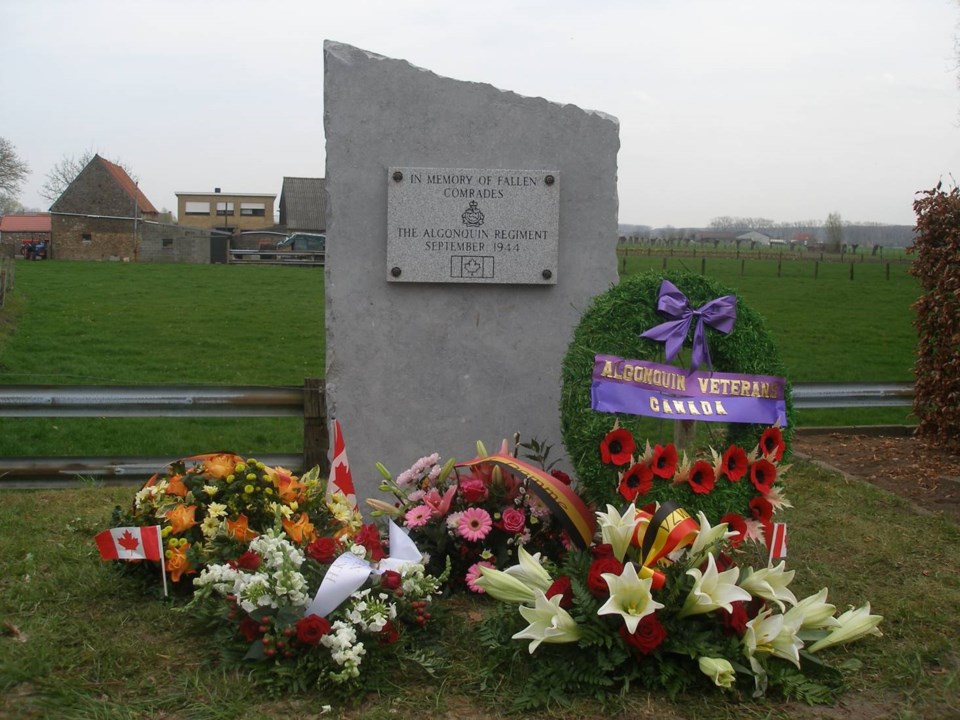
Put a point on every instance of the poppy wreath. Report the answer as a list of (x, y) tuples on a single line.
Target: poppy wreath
[(612, 325)]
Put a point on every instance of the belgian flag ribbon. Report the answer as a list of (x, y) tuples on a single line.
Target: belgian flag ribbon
[(671, 527), (563, 502)]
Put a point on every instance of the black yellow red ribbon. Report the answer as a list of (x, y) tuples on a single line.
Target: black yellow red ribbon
[(670, 528), (559, 498)]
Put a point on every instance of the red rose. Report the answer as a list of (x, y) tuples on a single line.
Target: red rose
[(734, 463), (763, 474), (311, 628), (771, 443), (324, 550), (761, 509), (650, 633), (736, 524), (561, 586), (249, 628), (473, 489), (389, 635), (248, 561), (595, 582), (561, 476), (617, 447), (664, 462), (638, 480), (390, 580), (514, 520), (369, 537), (735, 622), (603, 550), (701, 478)]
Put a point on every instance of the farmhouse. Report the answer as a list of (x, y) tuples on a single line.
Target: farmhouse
[(303, 205), (228, 212), (22, 228)]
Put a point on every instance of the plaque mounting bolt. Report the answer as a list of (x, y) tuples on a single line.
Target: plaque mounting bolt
[(397, 176), (549, 179), (547, 274), (395, 271)]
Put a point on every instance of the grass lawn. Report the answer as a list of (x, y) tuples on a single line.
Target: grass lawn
[(78, 641)]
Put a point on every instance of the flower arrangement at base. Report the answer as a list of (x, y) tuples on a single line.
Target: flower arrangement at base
[(474, 517), (740, 488), (210, 507), (265, 608), (659, 603)]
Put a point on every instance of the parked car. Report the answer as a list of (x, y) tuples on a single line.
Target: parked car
[(303, 242)]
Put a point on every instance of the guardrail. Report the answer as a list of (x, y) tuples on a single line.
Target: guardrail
[(309, 402), (277, 257)]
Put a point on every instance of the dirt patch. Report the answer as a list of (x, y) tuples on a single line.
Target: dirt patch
[(927, 477)]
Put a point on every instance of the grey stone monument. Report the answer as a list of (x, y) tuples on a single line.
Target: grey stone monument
[(468, 228)]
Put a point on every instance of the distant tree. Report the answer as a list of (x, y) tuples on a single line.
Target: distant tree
[(65, 171), (13, 170), (834, 226), (9, 205)]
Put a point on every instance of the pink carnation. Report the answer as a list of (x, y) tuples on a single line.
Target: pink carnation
[(473, 574), (418, 516), (475, 524)]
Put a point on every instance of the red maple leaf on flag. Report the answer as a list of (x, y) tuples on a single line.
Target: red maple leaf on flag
[(128, 541)]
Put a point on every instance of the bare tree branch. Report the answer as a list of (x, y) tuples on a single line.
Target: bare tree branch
[(13, 170)]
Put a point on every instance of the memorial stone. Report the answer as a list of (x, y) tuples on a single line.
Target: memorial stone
[(468, 227)]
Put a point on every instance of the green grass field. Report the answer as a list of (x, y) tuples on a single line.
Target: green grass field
[(82, 323)]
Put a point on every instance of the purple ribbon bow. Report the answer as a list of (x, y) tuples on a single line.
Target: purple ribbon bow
[(720, 314)]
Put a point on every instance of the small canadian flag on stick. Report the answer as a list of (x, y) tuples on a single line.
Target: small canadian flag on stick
[(778, 542), (133, 543)]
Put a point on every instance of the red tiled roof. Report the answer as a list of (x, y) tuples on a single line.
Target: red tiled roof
[(27, 222), (131, 188)]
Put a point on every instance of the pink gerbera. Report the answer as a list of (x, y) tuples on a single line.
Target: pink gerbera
[(475, 524), (418, 516), (474, 573)]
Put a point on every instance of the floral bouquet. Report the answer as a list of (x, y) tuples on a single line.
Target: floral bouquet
[(475, 515), (210, 507), (741, 489), (660, 603), (303, 625)]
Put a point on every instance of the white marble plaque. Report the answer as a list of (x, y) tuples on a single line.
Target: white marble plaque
[(460, 225)]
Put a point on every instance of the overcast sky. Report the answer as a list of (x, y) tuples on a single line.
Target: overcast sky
[(785, 109)]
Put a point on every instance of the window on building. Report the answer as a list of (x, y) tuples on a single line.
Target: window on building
[(224, 208), (253, 209), (197, 208), (86, 238), (167, 243)]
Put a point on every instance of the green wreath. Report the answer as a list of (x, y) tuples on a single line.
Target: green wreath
[(612, 325)]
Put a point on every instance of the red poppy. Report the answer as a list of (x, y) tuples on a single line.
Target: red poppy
[(763, 474), (664, 463), (562, 587), (595, 582), (311, 628), (638, 480), (617, 447), (648, 636), (734, 463), (736, 524), (771, 443), (702, 477), (761, 509)]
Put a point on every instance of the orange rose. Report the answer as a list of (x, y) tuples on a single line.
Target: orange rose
[(176, 487), (220, 465), (182, 518), (238, 528), (300, 531), (177, 562)]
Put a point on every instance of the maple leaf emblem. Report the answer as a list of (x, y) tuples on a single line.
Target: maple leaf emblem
[(128, 542)]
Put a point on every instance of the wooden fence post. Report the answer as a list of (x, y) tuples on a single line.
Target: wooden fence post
[(316, 436), (684, 433)]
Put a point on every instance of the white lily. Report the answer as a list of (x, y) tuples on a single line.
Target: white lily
[(814, 612), (549, 622), (852, 625), (719, 670), (629, 597), (529, 571), (772, 634), (713, 590), (504, 587), (707, 539), (617, 530), (770, 584)]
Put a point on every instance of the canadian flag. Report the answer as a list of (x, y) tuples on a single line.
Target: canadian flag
[(778, 542), (341, 480), (130, 543)]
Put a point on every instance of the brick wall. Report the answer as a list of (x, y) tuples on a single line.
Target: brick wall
[(84, 238)]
